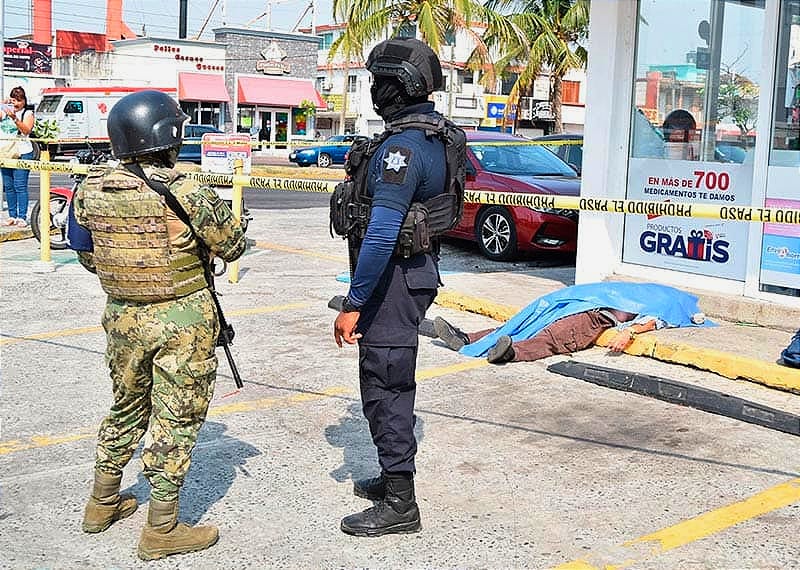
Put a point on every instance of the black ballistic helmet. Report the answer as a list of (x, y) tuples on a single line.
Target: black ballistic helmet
[(409, 60), (145, 122)]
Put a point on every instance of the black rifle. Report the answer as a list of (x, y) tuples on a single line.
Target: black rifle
[(226, 332)]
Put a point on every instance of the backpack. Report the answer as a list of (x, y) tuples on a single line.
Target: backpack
[(351, 207)]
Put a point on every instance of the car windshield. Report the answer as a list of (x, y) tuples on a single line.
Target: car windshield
[(520, 159)]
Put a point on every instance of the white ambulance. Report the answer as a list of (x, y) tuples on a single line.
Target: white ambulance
[(81, 113)]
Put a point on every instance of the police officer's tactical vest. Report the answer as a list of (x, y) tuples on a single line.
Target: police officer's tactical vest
[(351, 206), (132, 251)]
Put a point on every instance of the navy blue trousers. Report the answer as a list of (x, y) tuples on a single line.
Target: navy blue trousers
[(387, 354)]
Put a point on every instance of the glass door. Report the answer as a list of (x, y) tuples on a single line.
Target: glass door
[(281, 128), (780, 247)]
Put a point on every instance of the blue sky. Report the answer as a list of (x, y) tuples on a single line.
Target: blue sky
[(160, 18)]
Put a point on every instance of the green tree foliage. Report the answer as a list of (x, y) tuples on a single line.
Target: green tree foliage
[(536, 36), (738, 99)]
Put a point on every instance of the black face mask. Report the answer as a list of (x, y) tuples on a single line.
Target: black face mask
[(387, 97)]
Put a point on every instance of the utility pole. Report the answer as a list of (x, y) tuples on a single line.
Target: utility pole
[(183, 9), (450, 82)]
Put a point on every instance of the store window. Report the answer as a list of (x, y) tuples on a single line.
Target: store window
[(695, 109), (780, 246), (302, 121), (245, 121)]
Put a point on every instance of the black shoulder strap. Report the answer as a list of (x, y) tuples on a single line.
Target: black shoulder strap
[(163, 190)]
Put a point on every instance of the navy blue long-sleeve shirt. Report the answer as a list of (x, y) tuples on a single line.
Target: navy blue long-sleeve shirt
[(408, 167)]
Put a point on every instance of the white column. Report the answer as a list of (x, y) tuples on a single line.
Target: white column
[(612, 34)]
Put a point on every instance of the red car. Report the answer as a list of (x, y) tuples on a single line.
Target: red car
[(507, 163)]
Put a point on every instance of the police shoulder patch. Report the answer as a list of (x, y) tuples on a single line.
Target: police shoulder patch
[(395, 164)]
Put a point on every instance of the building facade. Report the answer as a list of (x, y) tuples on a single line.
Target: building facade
[(696, 102)]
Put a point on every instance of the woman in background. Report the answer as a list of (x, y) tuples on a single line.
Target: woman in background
[(17, 120)]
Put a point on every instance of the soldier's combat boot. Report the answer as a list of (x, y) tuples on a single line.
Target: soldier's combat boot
[(105, 504), (164, 535), (373, 489), (396, 514)]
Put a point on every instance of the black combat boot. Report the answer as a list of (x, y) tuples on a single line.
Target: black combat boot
[(396, 514), (373, 489)]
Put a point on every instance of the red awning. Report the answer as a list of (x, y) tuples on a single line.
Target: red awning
[(278, 92), (202, 87)]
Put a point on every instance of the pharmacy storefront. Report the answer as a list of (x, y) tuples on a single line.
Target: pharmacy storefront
[(694, 102)]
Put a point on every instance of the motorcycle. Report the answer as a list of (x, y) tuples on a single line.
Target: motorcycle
[(61, 196)]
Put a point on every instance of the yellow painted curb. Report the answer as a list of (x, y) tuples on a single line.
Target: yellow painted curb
[(16, 235), (453, 300), (725, 364)]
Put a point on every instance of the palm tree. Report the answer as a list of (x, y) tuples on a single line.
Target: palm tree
[(538, 35), (435, 20), (349, 46)]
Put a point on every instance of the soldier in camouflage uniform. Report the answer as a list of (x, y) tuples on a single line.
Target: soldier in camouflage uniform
[(160, 319)]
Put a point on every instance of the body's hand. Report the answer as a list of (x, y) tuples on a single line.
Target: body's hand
[(344, 328), (623, 339)]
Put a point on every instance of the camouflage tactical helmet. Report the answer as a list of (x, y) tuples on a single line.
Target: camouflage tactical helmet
[(144, 122), (409, 60)]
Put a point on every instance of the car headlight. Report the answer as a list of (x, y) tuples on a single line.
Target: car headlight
[(563, 212)]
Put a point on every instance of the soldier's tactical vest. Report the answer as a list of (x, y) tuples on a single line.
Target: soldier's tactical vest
[(351, 206), (135, 259)]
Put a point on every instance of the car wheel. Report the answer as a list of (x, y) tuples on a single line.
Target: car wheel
[(324, 160), (496, 234)]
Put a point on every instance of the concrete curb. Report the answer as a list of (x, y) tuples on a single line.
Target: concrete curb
[(725, 364)]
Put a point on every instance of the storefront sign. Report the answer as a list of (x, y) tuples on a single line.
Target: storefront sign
[(707, 247), (273, 63), (780, 249), (220, 151), (27, 57)]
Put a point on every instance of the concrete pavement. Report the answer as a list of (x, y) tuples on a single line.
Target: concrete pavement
[(518, 468)]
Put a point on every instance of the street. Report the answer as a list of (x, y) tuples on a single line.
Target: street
[(517, 467)]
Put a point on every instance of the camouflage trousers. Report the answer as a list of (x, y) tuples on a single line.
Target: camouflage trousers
[(163, 368)]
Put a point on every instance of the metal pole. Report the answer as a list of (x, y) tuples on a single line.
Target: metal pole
[(183, 9), (44, 208), (450, 86), (3, 58), (236, 207), (712, 81)]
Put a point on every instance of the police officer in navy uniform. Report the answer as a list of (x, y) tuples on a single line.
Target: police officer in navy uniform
[(389, 294)]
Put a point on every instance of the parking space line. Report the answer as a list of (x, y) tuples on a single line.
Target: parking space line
[(98, 328), (307, 253), (40, 441), (688, 531)]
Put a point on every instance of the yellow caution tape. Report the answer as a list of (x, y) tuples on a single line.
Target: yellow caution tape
[(533, 201)]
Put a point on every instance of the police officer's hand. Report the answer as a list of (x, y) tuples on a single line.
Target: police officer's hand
[(344, 328)]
